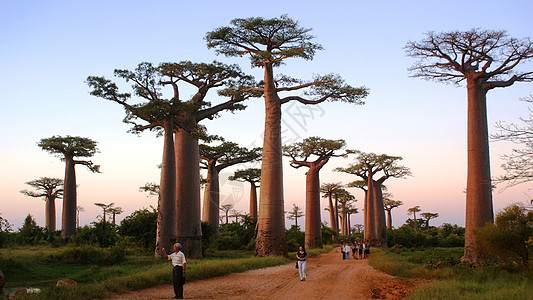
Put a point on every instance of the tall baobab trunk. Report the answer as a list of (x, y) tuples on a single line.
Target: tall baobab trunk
[(50, 213), (271, 221), (370, 222), (332, 214), (253, 200), (313, 230), (337, 227), (69, 200), (389, 218), (166, 206), (188, 224), (211, 209), (414, 221), (479, 209), (379, 216)]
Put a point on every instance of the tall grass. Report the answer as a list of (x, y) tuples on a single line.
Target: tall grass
[(452, 279)]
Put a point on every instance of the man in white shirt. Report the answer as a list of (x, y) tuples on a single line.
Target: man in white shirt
[(347, 250), (179, 264)]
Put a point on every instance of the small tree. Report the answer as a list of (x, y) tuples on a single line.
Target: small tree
[(226, 209), (328, 190), (30, 233), (295, 213), (412, 211), (252, 176), (68, 149), (105, 208), (486, 60), (428, 216), (114, 211), (50, 189), (79, 209), (390, 204), (508, 237)]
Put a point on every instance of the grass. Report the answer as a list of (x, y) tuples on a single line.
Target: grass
[(38, 267), (451, 279)]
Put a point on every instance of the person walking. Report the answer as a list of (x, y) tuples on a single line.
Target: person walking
[(355, 249), (301, 255), (178, 271), (360, 249), (342, 251)]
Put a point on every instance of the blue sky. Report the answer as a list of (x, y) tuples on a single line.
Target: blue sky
[(50, 47)]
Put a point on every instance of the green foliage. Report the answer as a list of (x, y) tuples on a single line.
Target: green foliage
[(30, 233), (72, 146), (329, 236), (88, 255), (508, 237), (446, 235), (141, 225), (235, 236), (103, 234), (294, 238), (207, 235)]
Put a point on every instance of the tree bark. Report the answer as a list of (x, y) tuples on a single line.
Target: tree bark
[(69, 200), (271, 220), (332, 213), (389, 218), (370, 222), (337, 227), (253, 200), (313, 229), (50, 214), (211, 209), (379, 216), (166, 212), (188, 224), (479, 210)]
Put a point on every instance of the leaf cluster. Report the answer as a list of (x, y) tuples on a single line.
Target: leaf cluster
[(71, 147), (252, 175)]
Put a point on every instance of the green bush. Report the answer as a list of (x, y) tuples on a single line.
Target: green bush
[(508, 237), (29, 233), (88, 255), (142, 226), (235, 236), (294, 238)]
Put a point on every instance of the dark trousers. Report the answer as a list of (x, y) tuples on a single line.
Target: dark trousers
[(177, 281)]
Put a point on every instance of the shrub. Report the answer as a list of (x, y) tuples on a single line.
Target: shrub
[(88, 255), (142, 226), (294, 238), (508, 237)]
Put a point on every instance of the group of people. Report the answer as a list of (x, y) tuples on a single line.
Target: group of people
[(358, 249)]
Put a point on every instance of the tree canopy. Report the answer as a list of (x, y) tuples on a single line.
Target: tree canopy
[(70, 147)]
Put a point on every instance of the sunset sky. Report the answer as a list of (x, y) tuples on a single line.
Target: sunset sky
[(48, 48)]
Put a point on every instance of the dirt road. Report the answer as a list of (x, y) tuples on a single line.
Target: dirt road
[(328, 277)]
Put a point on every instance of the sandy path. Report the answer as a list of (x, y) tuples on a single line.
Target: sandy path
[(328, 277)]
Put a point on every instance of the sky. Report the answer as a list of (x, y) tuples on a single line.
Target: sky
[(50, 47)]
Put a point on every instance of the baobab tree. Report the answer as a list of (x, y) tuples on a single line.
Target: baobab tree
[(295, 213), (114, 211), (105, 209), (428, 216), (367, 167), (313, 153), (79, 209), (346, 208), (50, 189), (269, 43), (328, 190), (226, 208), (179, 195), (215, 159), (69, 148), (519, 164), (486, 60), (390, 204), (252, 176), (412, 211)]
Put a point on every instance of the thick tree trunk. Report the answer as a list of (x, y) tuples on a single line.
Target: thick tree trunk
[(69, 200), (211, 209), (332, 213), (50, 213), (389, 218), (379, 216), (370, 221), (479, 209), (188, 223), (166, 206), (337, 227), (313, 229), (271, 220), (253, 200)]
